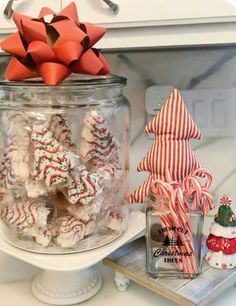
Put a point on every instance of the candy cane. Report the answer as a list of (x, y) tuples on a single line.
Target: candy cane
[(177, 193), (161, 188), (193, 190), (199, 193), (188, 264), (185, 217), (178, 216), (203, 173), (206, 201), (165, 221)]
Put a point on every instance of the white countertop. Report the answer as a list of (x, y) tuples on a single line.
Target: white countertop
[(15, 289)]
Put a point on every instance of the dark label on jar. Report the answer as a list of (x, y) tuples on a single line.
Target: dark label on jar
[(173, 228), (173, 246), (166, 252)]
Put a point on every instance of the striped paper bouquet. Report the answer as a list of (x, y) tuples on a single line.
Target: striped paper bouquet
[(174, 171)]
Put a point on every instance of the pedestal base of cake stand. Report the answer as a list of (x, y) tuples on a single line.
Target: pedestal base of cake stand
[(66, 288), (70, 278)]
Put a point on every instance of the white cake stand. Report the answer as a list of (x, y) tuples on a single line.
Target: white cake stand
[(70, 278)]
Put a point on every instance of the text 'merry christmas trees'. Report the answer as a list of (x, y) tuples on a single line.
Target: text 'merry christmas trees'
[(170, 157)]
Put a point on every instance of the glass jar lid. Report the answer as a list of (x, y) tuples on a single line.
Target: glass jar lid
[(74, 81)]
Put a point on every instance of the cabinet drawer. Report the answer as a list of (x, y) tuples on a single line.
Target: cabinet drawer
[(27, 7), (155, 12)]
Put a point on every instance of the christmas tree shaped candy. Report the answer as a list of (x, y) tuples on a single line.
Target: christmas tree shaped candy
[(26, 216), (170, 157), (51, 162), (59, 127), (83, 187), (98, 146), (221, 242), (14, 169), (70, 231)]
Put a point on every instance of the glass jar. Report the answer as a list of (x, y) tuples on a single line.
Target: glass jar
[(64, 163), (173, 250)]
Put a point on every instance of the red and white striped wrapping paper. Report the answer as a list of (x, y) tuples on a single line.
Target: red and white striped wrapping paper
[(170, 157)]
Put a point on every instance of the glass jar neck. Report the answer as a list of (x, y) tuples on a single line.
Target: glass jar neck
[(160, 203), (77, 91)]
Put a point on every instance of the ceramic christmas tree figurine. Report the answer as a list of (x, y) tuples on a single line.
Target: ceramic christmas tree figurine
[(221, 242), (170, 157)]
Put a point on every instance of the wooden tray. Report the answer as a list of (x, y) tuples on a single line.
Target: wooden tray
[(128, 262)]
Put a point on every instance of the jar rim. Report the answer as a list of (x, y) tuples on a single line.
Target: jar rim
[(74, 81)]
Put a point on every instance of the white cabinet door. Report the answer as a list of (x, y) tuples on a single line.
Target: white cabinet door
[(155, 12), (27, 7)]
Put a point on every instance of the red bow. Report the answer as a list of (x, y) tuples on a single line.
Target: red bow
[(53, 46)]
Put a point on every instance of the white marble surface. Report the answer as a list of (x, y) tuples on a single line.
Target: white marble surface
[(15, 289)]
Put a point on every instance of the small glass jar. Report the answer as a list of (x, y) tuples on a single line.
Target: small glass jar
[(64, 163), (172, 250)]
